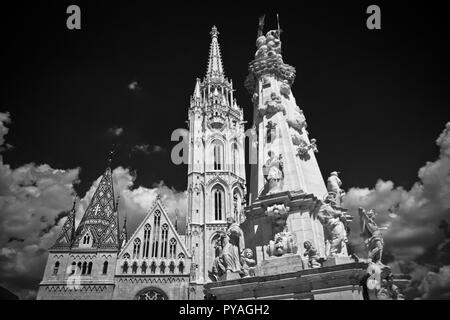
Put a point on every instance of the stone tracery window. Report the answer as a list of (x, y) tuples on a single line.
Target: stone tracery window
[(156, 228), (172, 248), (136, 248), (147, 230), (152, 294), (219, 202), (164, 236), (218, 155), (89, 269)]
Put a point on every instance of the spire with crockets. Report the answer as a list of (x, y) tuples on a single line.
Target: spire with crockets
[(100, 219), (215, 68), (67, 233)]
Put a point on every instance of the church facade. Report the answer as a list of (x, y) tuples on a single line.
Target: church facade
[(98, 260)]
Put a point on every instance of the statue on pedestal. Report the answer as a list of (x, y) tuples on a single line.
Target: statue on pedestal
[(371, 234), (334, 187), (311, 253), (273, 173), (334, 222), (228, 252)]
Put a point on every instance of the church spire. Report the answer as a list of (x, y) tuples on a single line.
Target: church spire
[(67, 234), (100, 217), (215, 68)]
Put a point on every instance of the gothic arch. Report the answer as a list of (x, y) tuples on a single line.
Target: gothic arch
[(219, 202), (215, 181)]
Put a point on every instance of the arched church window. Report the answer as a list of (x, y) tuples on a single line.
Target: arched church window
[(162, 267), (105, 267), (153, 267), (144, 267), (136, 248), (164, 236), (152, 294), (219, 203), (74, 267), (156, 228), (79, 265), (172, 248), (147, 229), (218, 155), (89, 269), (134, 267), (83, 271), (181, 266), (125, 267), (172, 267), (56, 268)]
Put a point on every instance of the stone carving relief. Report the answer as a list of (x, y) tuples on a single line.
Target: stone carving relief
[(284, 242)]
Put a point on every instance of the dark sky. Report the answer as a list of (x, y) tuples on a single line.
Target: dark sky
[(375, 100)]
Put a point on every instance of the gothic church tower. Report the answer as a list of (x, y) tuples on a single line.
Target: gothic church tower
[(216, 171)]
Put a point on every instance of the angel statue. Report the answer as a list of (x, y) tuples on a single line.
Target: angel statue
[(371, 234)]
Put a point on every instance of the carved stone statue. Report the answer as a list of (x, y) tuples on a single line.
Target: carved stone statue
[(284, 242), (228, 252), (248, 263), (273, 173), (335, 228), (311, 253), (269, 45), (304, 148), (371, 234), (334, 187)]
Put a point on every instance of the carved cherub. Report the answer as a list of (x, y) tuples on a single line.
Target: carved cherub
[(311, 253), (248, 263)]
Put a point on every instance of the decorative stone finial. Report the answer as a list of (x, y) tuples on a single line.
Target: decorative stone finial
[(214, 33)]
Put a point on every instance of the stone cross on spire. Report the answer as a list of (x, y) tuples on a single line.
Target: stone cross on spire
[(215, 68)]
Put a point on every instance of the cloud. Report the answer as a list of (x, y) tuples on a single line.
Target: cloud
[(34, 201), (414, 226), (115, 131), (4, 120), (417, 240), (147, 149)]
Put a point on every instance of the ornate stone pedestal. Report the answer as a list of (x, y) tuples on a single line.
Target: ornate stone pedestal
[(278, 265)]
